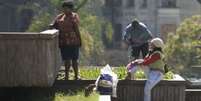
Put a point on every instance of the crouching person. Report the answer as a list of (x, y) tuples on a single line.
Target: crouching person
[(152, 64), (106, 84)]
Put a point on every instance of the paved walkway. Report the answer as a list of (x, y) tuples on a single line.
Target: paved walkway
[(104, 98)]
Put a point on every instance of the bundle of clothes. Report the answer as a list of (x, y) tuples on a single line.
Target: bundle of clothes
[(106, 84)]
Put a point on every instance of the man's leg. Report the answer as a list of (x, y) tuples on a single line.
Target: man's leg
[(75, 68), (153, 78), (146, 70), (67, 67), (145, 49), (135, 53)]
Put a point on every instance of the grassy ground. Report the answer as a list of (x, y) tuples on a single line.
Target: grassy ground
[(78, 97)]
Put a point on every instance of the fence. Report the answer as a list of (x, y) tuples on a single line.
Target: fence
[(164, 91)]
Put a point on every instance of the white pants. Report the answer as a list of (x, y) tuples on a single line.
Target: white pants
[(153, 77)]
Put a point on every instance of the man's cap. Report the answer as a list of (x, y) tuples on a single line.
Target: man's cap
[(68, 3)]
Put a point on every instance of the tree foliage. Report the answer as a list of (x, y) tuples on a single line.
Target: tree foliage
[(181, 48), (93, 48)]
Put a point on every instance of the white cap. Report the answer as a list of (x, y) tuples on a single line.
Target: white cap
[(158, 42)]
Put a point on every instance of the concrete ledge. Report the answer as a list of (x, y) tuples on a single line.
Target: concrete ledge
[(29, 59), (48, 34)]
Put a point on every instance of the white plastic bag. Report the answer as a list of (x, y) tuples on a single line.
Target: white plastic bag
[(108, 70)]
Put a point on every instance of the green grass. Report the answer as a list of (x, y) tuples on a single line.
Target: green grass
[(93, 73), (78, 97)]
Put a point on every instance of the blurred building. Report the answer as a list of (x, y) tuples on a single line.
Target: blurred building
[(161, 16), (12, 17)]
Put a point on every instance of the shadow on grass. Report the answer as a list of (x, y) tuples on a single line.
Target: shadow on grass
[(32, 94), (71, 87)]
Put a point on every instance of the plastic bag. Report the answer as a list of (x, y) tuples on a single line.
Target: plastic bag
[(106, 83)]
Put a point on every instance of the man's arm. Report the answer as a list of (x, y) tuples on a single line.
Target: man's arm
[(148, 34), (76, 26), (126, 37), (151, 59), (54, 23)]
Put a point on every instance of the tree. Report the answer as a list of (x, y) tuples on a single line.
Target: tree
[(181, 51), (93, 49)]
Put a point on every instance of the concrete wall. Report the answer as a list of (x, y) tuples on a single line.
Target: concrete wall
[(29, 59), (133, 90)]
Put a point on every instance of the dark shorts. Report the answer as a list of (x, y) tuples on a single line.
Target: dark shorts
[(69, 52)]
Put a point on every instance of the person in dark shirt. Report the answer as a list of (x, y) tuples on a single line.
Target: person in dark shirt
[(136, 36)]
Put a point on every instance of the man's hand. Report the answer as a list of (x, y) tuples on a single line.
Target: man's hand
[(80, 43), (51, 26), (139, 61)]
